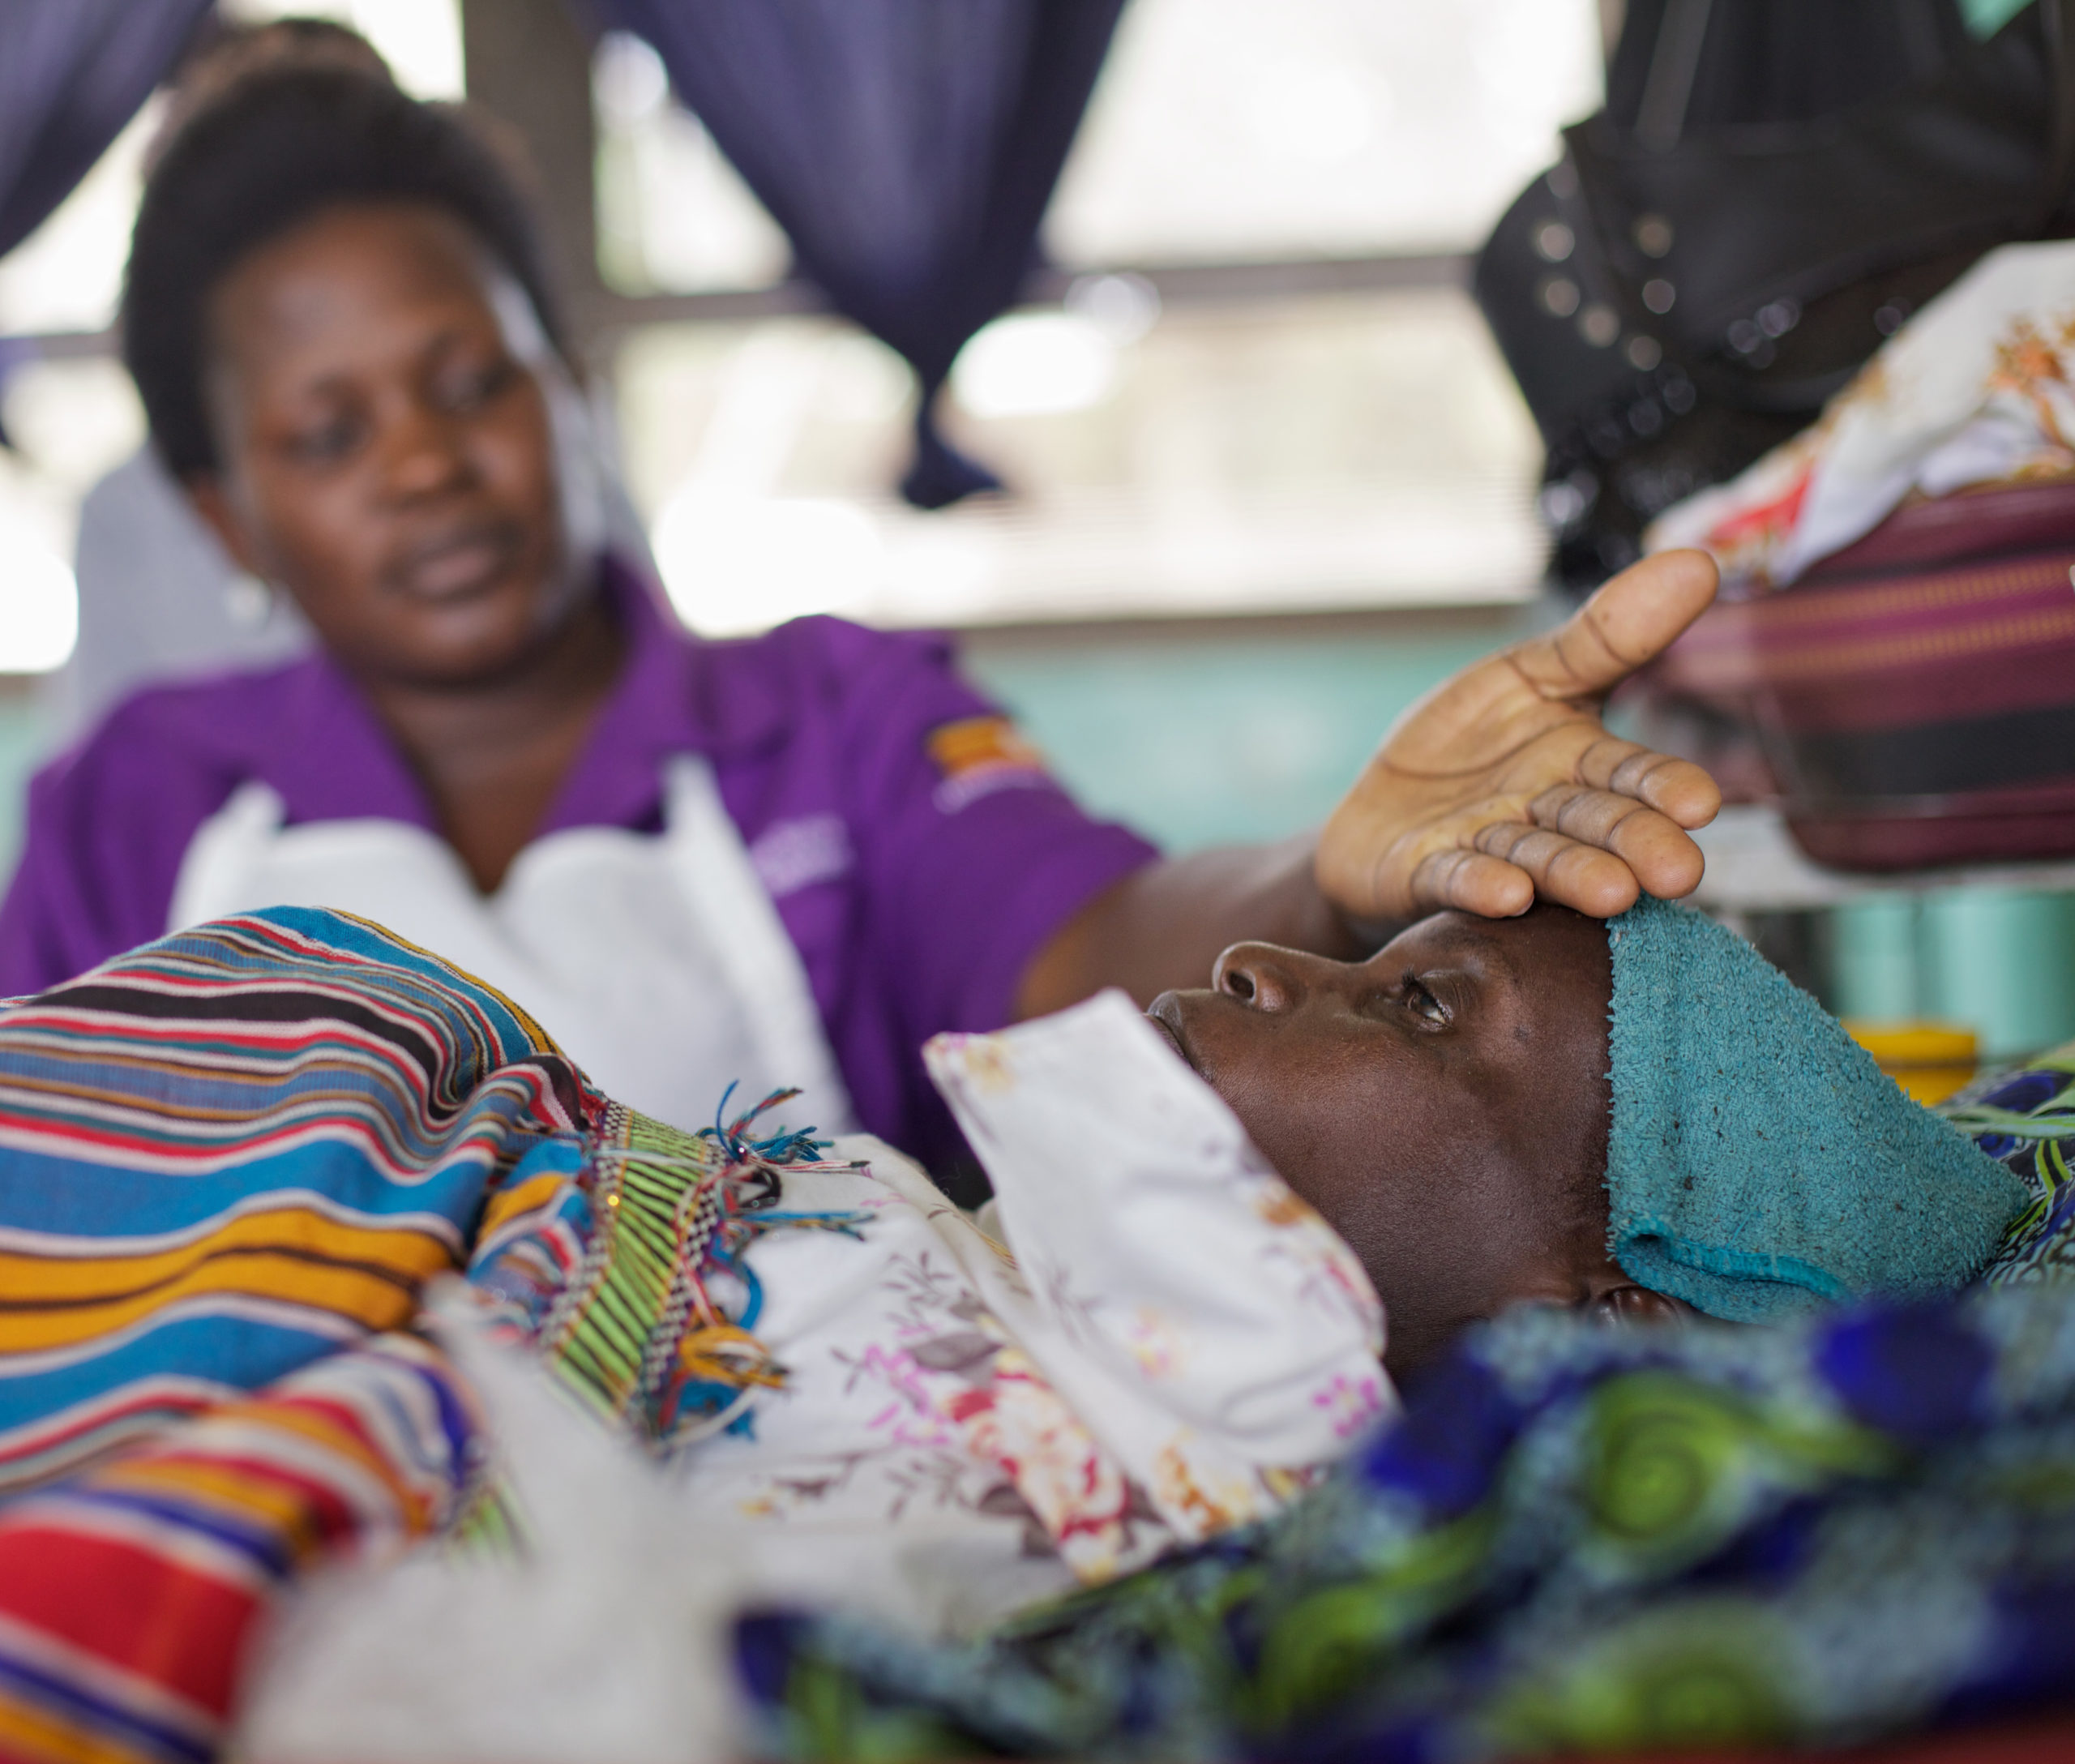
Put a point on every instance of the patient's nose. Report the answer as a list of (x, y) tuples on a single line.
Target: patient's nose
[(1259, 974)]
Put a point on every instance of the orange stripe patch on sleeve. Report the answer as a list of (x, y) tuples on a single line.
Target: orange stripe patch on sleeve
[(977, 756)]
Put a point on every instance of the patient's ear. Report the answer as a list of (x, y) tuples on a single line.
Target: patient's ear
[(1631, 1303)]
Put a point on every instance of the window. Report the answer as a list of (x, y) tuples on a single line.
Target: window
[(1277, 449), (72, 413), (1220, 131), (1226, 129), (1177, 439), (1299, 454), (420, 40), (67, 276), (672, 217)]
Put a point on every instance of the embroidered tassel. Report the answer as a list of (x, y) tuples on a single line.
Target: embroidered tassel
[(639, 1331)]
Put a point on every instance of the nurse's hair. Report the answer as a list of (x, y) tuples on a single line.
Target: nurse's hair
[(237, 52), (268, 152)]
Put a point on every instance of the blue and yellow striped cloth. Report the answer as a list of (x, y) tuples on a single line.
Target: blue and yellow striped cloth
[(229, 1162)]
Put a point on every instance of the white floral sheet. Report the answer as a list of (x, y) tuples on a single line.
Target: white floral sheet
[(1169, 1342)]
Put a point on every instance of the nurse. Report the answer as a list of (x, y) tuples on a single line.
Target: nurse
[(783, 861)]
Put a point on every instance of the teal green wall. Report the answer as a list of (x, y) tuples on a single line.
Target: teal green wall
[(21, 738), (1985, 17), (1205, 737), (1199, 736), (2001, 961)]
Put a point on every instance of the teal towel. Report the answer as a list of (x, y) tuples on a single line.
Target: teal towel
[(1759, 1165)]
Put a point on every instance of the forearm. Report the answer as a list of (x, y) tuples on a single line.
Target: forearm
[(1164, 926)]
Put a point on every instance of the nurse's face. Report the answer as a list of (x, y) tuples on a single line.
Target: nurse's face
[(387, 454), (1444, 1105)]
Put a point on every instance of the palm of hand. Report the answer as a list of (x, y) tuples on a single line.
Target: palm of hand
[(1502, 783)]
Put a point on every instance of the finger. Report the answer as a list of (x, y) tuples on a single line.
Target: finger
[(1677, 789), (1654, 848), (1470, 882), (1630, 621), (1562, 869)]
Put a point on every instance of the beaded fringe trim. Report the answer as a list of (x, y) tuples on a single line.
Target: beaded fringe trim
[(640, 1333)]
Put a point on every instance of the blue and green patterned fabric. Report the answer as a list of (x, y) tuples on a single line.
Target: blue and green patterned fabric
[(1574, 1539), (2025, 1119), (1858, 1524)]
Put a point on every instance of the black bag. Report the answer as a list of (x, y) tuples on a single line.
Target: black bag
[(1772, 187)]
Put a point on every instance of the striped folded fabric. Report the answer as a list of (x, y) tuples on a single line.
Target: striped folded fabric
[(128, 1594), (1915, 693), (1904, 646), (229, 1162)]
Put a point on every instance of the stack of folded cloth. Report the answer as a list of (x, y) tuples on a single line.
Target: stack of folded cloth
[(1916, 689)]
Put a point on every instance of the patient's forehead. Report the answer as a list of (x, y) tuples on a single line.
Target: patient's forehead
[(1551, 947), (1453, 934)]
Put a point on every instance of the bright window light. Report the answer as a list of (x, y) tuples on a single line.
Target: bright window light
[(1122, 305), (628, 80), (1029, 364), (742, 563), (1319, 452), (672, 215), (420, 40), (67, 275), (1315, 114), (1230, 129), (39, 603), (70, 421)]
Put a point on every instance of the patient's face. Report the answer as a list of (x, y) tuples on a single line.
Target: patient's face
[(1444, 1105)]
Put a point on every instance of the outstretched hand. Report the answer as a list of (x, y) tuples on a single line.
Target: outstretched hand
[(1502, 784)]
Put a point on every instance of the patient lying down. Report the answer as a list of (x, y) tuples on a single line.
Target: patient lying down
[(1180, 1344), (1454, 1108), (860, 1397)]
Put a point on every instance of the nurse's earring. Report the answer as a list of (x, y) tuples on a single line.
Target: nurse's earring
[(249, 601)]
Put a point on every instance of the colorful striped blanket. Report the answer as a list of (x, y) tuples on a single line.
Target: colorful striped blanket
[(230, 1161)]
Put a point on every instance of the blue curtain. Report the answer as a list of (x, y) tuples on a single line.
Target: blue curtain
[(908, 148), (72, 73)]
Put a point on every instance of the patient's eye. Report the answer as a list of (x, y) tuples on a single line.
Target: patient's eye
[(1423, 1004)]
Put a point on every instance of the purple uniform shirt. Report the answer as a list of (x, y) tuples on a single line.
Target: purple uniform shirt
[(919, 857)]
